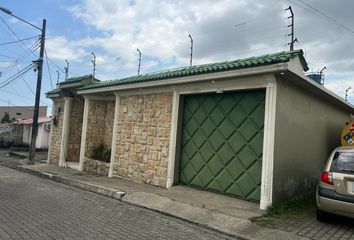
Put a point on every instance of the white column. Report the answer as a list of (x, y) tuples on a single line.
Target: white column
[(83, 133), (268, 146), (173, 140), (65, 131), (114, 136)]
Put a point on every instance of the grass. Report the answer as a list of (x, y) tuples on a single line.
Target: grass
[(290, 207), (285, 210)]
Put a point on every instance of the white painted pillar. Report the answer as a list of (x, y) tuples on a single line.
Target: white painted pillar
[(65, 131), (173, 140), (83, 133), (268, 146), (114, 135)]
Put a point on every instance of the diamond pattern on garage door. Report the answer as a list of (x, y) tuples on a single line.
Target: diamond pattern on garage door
[(222, 140)]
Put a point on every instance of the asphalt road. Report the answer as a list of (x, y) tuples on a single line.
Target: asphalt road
[(36, 208)]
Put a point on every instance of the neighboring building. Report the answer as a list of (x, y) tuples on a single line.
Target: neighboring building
[(44, 124), (22, 112), (256, 129)]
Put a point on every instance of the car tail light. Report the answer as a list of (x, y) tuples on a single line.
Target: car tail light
[(326, 177)]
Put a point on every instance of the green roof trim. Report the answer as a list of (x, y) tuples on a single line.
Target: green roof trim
[(54, 91), (280, 57), (75, 79)]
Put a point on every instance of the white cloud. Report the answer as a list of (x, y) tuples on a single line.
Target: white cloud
[(60, 48)]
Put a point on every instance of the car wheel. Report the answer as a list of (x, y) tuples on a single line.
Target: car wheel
[(322, 216)]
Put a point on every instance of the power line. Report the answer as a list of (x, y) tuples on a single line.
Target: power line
[(16, 76), (23, 39), (20, 59), (50, 75), (14, 33), (328, 17), (321, 14)]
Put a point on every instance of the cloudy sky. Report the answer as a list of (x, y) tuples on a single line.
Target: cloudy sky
[(221, 30)]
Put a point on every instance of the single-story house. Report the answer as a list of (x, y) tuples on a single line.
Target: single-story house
[(44, 124), (256, 128)]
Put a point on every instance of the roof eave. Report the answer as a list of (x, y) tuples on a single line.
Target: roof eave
[(193, 78)]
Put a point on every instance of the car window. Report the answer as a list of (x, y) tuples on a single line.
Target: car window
[(343, 162)]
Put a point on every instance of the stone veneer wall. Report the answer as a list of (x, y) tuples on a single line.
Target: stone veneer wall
[(99, 125), (143, 136), (55, 141), (96, 167), (77, 113)]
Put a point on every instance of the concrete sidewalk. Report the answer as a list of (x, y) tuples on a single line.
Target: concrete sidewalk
[(222, 213)]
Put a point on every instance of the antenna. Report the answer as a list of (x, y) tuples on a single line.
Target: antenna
[(191, 55), (66, 69), (94, 64), (139, 61), (346, 93), (291, 43), (58, 76)]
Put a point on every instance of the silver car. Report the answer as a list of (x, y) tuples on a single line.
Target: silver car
[(335, 192)]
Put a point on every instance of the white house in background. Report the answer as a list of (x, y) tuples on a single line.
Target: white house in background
[(44, 124)]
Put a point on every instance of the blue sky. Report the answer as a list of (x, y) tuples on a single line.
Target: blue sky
[(222, 30)]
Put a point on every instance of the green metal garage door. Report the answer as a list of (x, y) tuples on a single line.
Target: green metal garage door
[(222, 140)]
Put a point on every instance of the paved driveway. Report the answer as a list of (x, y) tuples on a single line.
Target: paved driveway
[(36, 208)]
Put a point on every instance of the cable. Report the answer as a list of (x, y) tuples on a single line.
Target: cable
[(23, 39), (50, 76), (320, 14), (13, 32), (16, 76), (328, 17), (19, 60)]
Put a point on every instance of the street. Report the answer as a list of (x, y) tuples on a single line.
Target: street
[(36, 208)]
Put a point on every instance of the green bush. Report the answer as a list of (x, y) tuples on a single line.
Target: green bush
[(101, 153)]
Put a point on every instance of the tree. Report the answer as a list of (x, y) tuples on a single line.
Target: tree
[(6, 118)]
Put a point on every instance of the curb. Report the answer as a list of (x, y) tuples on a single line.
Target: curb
[(210, 219), (108, 192), (17, 155)]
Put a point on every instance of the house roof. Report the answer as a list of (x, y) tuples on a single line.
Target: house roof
[(76, 79), (71, 81), (30, 120), (54, 91), (268, 59)]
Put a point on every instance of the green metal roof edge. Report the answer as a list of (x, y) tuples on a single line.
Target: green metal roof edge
[(263, 60), (75, 79), (54, 91)]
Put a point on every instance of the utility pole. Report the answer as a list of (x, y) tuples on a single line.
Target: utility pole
[(139, 61), (94, 64), (191, 54), (39, 64), (38, 96), (66, 70), (346, 93), (292, 29)]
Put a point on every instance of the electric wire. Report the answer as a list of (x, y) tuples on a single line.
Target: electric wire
[(327, 16), (23, 39), (50, 75), (20, 59), (17, 37), (16, 76)]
